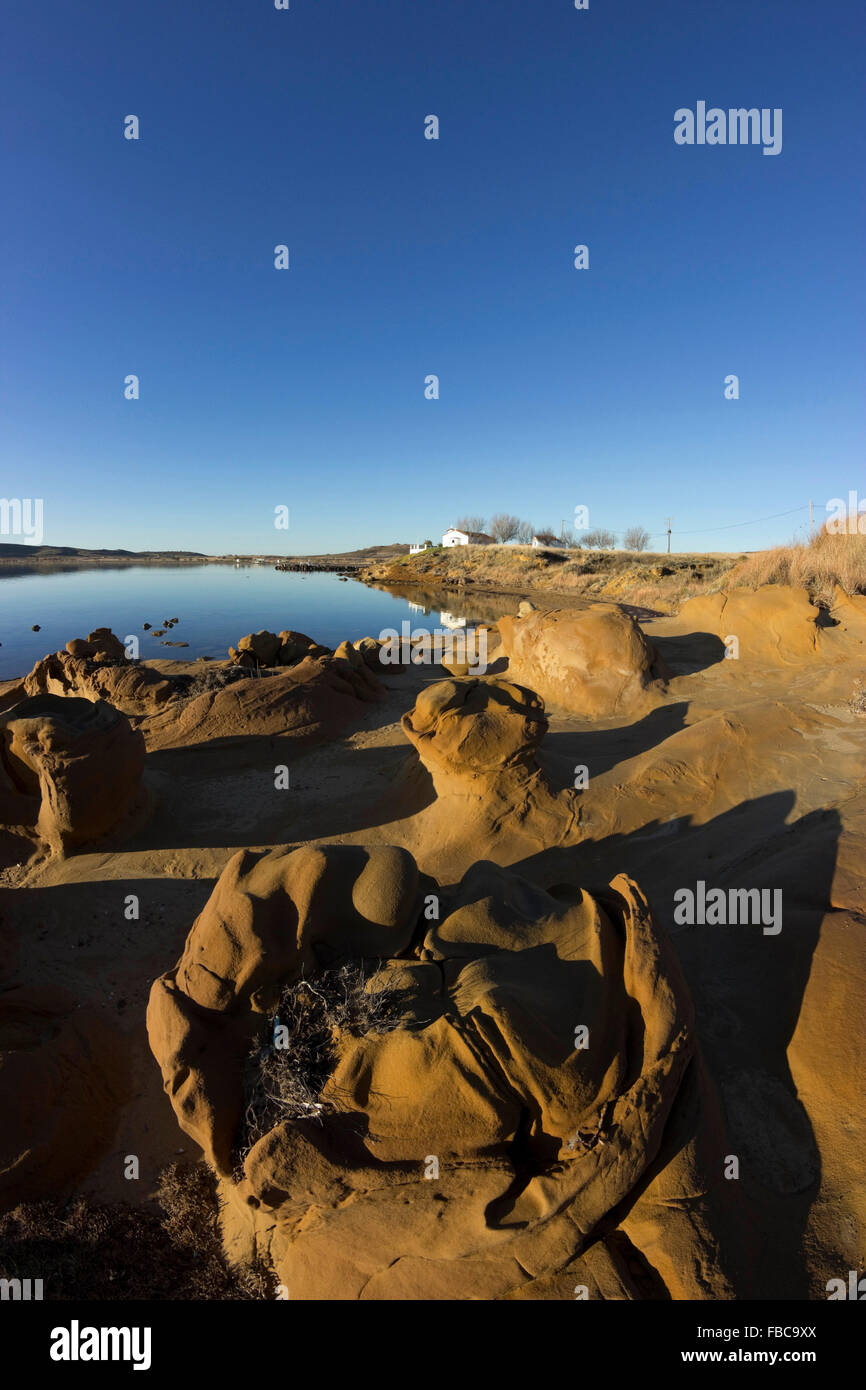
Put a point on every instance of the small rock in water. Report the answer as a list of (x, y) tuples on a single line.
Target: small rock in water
[(36, 628), (146, 626)]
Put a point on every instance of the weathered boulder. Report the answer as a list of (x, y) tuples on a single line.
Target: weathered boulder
[(369, 649), (287, 648), (72, 769), (295, 646), (263, 645), (594, 661), (100, 645)]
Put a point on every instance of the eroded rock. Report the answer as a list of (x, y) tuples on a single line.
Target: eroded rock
[(539, 1074), (71, 770), (594, 661)]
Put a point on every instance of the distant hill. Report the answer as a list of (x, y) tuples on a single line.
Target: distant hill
[(369, 553), (10, 551)]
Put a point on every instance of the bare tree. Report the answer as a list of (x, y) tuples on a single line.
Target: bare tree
[(472, 523), (547, 536), (599, 539), (504, 527), (525, 532), (636, 538)]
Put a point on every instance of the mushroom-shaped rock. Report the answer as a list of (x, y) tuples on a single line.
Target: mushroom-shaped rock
[(475, 728), (479, 740)]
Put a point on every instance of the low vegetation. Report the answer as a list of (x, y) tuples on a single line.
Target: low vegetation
[(83, 1249), (285, 1076), (819, 566), (648, 580)]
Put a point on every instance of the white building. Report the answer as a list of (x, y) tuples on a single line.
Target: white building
[(555, 544), (417, 549), (453, 536)]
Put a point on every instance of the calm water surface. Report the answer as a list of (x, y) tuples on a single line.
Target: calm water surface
[(216, 604)]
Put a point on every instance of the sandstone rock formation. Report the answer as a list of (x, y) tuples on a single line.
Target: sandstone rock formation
[(534, 1116), (97, 669), (469, 729), (100, 645), (777, 624), (315, 699), (479, 740), (265, 648), (594, 662), (70, 770)]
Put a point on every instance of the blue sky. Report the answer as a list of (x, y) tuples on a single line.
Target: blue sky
[(305, 388)]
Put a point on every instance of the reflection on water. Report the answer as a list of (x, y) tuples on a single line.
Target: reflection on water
[(216, 604), (453, 607), (450, 620)]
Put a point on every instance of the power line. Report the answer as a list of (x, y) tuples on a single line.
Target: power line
[(734, 524), (708, 530)]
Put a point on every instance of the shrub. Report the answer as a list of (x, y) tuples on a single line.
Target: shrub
[(286, 1082), (91, 1250)]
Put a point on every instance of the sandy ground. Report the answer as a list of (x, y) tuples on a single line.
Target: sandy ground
[(745, 775)]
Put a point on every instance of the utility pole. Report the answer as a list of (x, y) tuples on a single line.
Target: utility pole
[(670, 519), (811, 531), (562, 530)]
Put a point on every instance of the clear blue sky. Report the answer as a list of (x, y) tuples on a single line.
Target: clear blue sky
[(306, 388)]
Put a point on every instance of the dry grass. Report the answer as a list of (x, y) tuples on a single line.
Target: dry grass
[(213, 678), (653, 581), (285, 1081), (89, 1250), (649, 580), (819, 566)]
